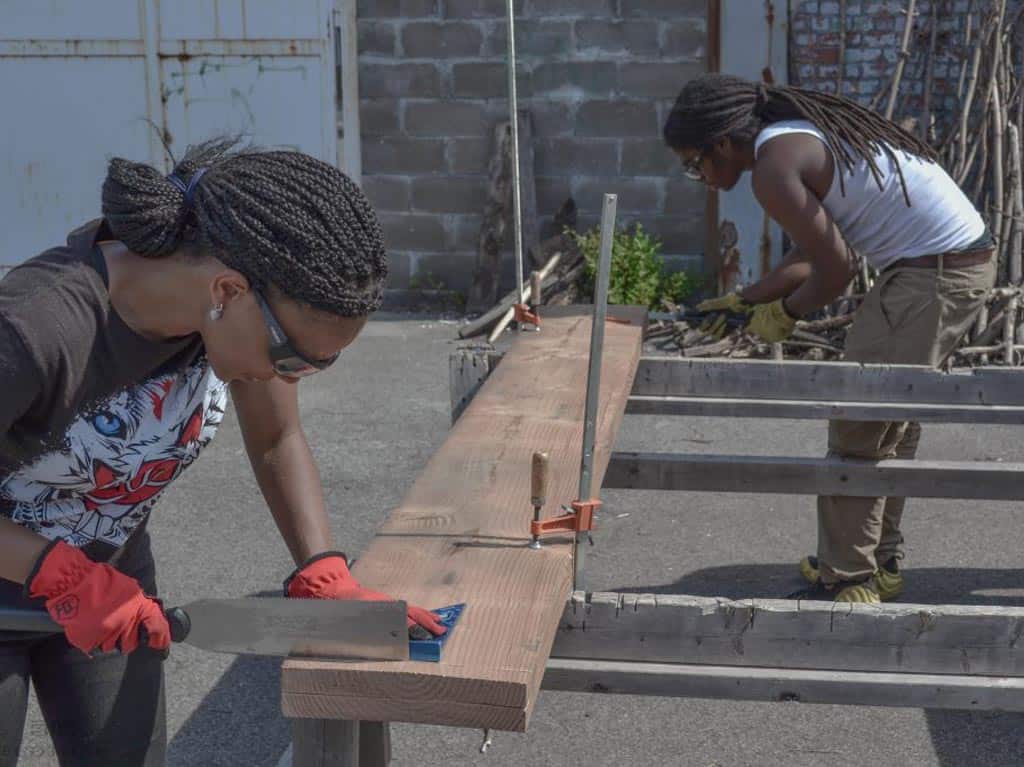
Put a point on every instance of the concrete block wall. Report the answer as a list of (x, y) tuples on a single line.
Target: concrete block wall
[(598, 77), (873, 33)]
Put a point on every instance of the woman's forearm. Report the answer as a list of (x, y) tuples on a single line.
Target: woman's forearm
[(288, 477), (19, 550)]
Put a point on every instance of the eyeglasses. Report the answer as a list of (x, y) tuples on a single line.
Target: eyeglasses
[(287, 360), (692, 168)]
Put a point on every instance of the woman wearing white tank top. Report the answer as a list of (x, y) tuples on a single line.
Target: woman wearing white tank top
[(844, 182)]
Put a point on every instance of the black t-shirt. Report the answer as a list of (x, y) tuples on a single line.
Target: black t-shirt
[(95, 420)]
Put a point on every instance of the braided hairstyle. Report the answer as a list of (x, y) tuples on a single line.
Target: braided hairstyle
[(713, 106), (278, 217)]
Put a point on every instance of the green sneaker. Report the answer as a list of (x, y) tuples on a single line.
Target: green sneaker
[(888, 578), (864, 592)]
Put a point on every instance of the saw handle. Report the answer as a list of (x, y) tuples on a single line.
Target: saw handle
[(39, 621), (539, 479), (179, 622)]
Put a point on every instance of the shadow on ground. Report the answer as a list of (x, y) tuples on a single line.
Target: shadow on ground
[(239, 721)]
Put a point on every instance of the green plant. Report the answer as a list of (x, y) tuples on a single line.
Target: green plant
[(638, 274)]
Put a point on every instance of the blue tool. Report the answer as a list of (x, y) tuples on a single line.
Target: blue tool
[(430, 649)]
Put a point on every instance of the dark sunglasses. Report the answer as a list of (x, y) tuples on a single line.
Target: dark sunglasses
[(288, 361), (692, 169)]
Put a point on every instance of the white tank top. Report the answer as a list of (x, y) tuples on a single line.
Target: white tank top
[(877, 222)]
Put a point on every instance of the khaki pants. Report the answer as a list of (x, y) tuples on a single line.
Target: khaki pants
[(912, 316)]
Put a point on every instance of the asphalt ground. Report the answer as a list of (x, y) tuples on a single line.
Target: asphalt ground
[(373, 421)]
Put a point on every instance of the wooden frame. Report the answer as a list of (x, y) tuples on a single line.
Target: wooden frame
[(929, 656)]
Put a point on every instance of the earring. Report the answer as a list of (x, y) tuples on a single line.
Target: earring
[(217, 312)]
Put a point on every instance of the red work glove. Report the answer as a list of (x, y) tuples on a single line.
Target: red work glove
[(99, 607), (326, 576)]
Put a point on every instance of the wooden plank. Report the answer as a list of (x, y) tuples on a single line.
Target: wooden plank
[(847, 688), (841, 381), (824, 409), (816, 407), (460, 535), (816, 476), (928, 639)]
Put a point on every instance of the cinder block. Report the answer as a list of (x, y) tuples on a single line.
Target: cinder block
[(681, 234), (666, 9), (439, 40), (469, 155), (407, 80), (552, 192), (683, 197), (390, 193), (479, 9), (575, 78), (485, 80), (397, 9), (398, 269), (617, 118), (448, 271), (590, 8), (464, 232), (413, 231), (685, 38), (378, 117), (549, 37), (635, 195), (573, 156), (604, 36), (449, 194), (648, 157), (445, 118), (400, 155), (552, 118), (656, 80), (376, 38)]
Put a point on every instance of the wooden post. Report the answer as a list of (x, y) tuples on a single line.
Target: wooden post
[(325, 743), (351, 149)]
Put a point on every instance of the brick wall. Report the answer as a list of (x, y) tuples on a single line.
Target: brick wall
[(598, 77), (874, 29)]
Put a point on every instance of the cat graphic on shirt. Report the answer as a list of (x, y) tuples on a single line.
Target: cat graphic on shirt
[(116, 459)]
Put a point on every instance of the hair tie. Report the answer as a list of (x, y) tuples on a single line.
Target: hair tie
[(761, 96), (187, 189)]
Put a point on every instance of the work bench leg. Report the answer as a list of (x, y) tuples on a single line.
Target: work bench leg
[(325, 743), (340, 743)]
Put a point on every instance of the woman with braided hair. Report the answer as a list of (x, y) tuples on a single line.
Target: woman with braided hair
[(243, 270), (844, 183)]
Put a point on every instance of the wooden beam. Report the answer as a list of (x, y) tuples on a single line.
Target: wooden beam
[(781, 633), (847, 688), (824, 409), (888, 381), (840, 381), (461, 535), (816, 476)]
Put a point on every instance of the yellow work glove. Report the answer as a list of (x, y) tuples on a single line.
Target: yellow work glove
[(718, 309), (771, 322)]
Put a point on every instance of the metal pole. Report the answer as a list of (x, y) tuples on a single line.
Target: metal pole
[(513, 108), (594, 373)]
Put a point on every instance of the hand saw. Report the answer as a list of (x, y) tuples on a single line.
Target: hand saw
[(322, 628)]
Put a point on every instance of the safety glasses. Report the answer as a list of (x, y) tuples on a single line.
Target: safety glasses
[(288, 361), (692, 169)]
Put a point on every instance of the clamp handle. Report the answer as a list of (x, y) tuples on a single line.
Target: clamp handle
[(539, 472), (535, 289)]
